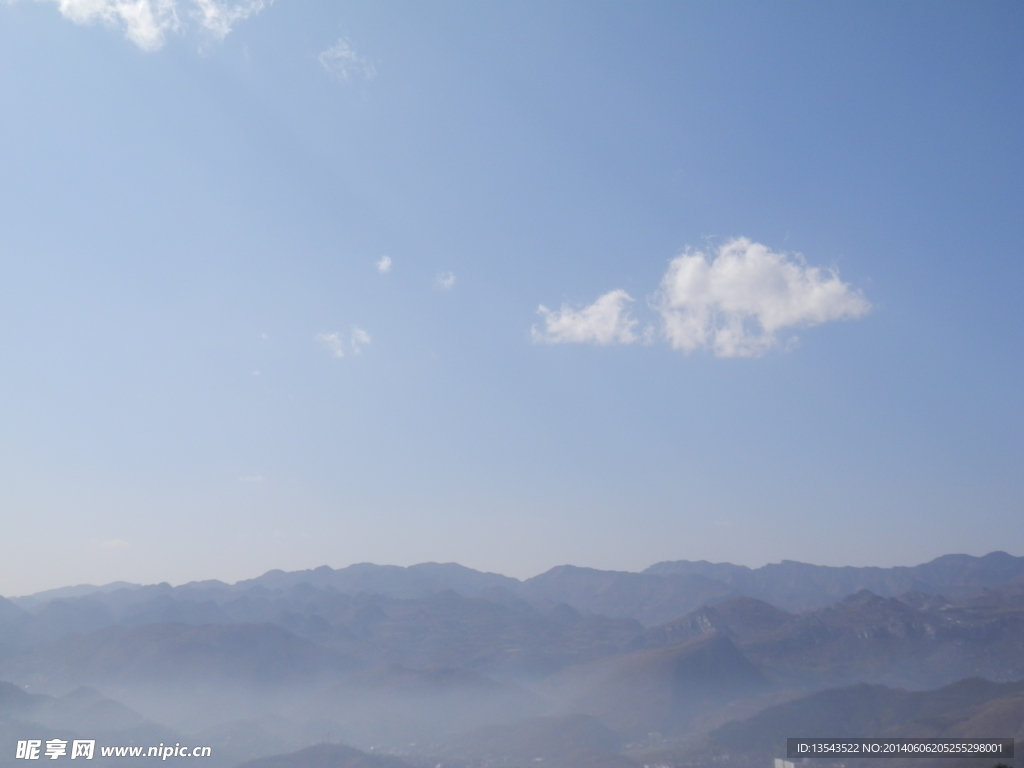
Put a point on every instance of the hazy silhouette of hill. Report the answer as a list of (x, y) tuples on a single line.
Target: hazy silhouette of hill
[(568, 741), (395, 704), (327, 756), (181, 655), (508, 636), (863, 638), (394, 581), (968, 708), (669, 589), (658, 690), (81, 714), (649, 598), (742, 619), (1005, 597), (16, 628), (38, 599), (262, 734)]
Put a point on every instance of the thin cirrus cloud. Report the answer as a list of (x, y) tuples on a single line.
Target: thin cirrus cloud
[(445, 281), (333, 343), (358, 339), (383, 264), (342, 62), (734, 302), (148, 22), (336, 344)]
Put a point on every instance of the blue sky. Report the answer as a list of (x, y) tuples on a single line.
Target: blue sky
[(777, 248)]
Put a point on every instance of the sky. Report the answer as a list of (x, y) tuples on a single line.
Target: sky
[(307, 282)]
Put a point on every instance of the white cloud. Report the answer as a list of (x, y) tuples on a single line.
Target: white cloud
[(145, 22), (342, 61), (738, 300), (219, 18), (606, 321), (445, 281), (359, 339), (735, 303), (333, 342), (383, 264), (148, 22)]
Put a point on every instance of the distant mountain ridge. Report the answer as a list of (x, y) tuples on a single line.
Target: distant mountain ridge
[(656, 595), (391, 580), (799, 586)]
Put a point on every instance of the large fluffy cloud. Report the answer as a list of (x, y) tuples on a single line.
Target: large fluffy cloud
[(606, 321), (147, 22), (736, 301)]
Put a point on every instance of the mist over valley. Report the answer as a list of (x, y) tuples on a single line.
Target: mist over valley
[(681, 664)]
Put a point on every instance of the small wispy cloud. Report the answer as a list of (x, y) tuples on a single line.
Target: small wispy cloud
[(736, 302), (383, 264), (445, 281), (606, 321), (147, 23), (220, 18), (333, 342), (252, 479), (342, 62), (358, 339)]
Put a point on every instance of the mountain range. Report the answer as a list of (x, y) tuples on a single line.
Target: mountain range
[(436, 663), (658, 594)]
